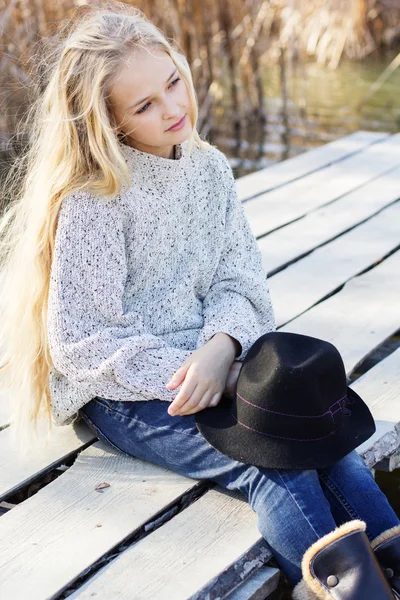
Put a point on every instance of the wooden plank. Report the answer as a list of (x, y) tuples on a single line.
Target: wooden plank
[(307, 162), (389, 463), (381, 384), (17, 471), (185, 554), (276, 208), (52, 537), (304, 283), (362, 315), (258, 587), (322, 225), (379, 388)]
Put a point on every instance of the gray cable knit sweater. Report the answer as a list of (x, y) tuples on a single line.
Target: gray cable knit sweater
[(141, 281)]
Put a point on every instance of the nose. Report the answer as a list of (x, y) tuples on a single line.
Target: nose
[(172, 112)]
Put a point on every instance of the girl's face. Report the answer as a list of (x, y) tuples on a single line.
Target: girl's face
[(147, 96)]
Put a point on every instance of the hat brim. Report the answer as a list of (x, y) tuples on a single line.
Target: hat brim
[(220, 428)]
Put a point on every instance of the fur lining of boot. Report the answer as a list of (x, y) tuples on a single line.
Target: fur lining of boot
[(302, 592), (386, 535), (310, 588)]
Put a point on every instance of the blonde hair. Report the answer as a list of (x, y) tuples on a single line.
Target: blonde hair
[(72, 145)]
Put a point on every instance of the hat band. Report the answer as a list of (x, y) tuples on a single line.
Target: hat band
[(311, 428)]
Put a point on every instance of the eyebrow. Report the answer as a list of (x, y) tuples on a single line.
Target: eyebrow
[(143, 99)]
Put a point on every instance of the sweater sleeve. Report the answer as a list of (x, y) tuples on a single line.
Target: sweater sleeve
[(238, 302), (97, 348)]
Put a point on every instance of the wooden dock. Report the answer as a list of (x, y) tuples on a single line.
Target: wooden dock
[(328, 225)]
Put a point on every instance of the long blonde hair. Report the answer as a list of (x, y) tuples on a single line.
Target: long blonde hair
[(72, 145)]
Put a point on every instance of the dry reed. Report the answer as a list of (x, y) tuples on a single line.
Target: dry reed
[(227, 43)]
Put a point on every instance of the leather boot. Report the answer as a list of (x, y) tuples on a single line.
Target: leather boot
[(342, 566), (386, 548)]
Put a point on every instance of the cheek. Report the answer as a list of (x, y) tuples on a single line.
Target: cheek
[(141, 124)]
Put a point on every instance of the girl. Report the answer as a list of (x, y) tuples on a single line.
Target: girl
[(133, 271)]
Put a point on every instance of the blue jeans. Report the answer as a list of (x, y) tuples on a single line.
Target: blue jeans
[(294, 508)]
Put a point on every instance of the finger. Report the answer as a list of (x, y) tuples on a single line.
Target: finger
[(185, 393), (203, 402), (215, 399), (177, 377), (192, 401)]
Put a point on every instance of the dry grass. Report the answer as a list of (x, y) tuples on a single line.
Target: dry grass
[(227, 42)]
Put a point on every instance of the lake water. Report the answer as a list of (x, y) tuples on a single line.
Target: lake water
[(322, 105)]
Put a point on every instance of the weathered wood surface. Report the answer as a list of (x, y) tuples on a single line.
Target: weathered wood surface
[(302, 284), (190, 550), (338, 212), (281, 206), (324, 224), (379, 387), (53, 536), (358, 318), (389, 463), (306, 163), (17, 472), (259, 586)]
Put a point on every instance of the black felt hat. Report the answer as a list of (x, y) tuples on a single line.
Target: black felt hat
[(292, 409)]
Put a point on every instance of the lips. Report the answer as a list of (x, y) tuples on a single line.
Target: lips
[(177, 123)]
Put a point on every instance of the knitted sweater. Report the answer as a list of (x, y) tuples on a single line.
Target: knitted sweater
[(140, 281)]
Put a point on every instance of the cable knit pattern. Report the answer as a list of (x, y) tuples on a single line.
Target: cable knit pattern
[(140, 281)]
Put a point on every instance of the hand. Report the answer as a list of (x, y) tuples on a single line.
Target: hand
[(231, 382), (204, 374)]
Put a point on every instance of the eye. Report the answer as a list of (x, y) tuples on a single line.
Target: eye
[(143, 108), (175, 81)]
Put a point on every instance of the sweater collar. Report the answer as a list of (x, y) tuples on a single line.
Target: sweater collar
[(144, 162)]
